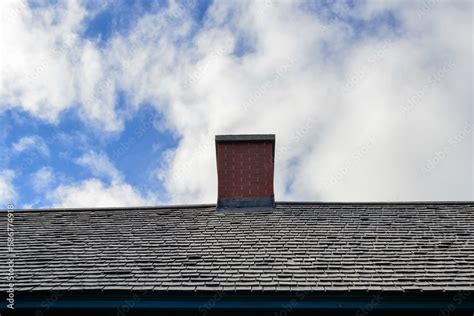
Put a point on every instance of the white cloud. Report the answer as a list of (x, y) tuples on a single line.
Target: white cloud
[(358, 117), (94, 193), (99, 165), (31, 143), (36, 66), (361, 119), (7, 190), (46, 67), (42, 179)]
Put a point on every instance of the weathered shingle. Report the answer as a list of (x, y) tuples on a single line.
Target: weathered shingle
[(299, 246)]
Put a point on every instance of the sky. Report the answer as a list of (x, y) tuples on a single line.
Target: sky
[(116, 103)]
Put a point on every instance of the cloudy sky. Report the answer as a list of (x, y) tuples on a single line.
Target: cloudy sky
[(118, 104)]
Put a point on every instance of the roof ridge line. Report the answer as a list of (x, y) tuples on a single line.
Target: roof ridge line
[(205, 205), (374, 202), (111, 208)]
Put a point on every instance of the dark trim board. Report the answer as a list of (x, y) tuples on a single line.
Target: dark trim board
[(230, 303), (234, 312)]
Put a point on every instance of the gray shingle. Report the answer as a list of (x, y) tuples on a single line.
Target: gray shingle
[(299, 246)]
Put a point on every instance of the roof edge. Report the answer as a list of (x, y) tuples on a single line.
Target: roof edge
[(206, 205), (419, 202), (112, 208)]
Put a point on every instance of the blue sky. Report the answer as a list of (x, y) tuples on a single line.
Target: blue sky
[(117, 104)]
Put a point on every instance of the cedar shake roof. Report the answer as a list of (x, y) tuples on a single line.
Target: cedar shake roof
[(317, 247)]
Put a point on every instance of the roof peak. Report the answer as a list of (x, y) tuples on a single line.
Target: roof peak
[(207, 205)]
